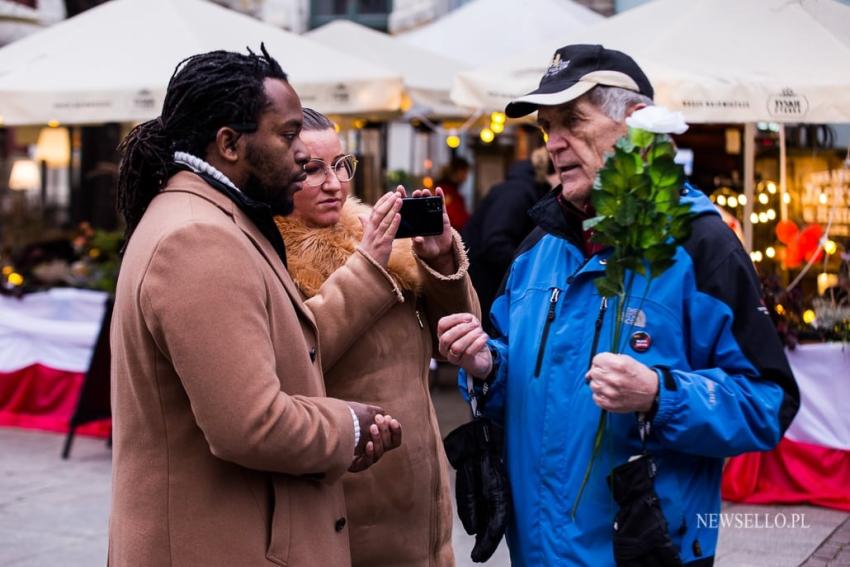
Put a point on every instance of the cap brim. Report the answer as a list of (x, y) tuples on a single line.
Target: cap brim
[(529, 103)]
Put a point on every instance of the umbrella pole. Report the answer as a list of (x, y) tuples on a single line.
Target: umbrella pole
[(749, 182)]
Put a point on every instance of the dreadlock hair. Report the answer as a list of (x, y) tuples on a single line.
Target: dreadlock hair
[(315, 120), (206, 92)]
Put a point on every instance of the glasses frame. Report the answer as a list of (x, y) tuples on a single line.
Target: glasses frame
[(326, 167)]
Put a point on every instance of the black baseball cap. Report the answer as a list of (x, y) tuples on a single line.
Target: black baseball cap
[(574, 70)]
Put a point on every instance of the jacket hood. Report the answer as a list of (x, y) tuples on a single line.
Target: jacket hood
[(316, 253)]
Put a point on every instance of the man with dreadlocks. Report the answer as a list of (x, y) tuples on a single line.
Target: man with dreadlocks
[(226, 450)]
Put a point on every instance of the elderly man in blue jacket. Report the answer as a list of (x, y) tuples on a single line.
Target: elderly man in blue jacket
[(703, 364)]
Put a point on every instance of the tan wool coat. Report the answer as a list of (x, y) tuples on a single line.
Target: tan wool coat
[(226, 451), (400, 510)]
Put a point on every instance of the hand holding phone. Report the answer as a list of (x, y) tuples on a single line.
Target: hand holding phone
[(435, 246), (421, 216)]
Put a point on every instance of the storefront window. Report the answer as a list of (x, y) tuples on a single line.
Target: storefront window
[(372, 13)]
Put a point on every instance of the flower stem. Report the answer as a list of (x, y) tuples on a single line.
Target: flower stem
[(597, 446)]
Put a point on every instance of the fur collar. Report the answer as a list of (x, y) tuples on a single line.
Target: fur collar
[(313, 254)]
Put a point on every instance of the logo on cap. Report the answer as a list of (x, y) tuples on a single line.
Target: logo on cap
[(556, 66)]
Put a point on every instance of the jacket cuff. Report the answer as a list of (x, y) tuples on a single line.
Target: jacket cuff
[(393, 284), (668, 393), (460, 259)]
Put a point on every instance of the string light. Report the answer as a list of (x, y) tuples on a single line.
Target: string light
[(15, 279), (770, 252), (487, 135), (742, 199), (822, 199), (754, 218), (763, 217), (763, 198), (830, 247), (771, 214), (786, 198), (453, 141), (780, 309), (771, 187), (721, 200), (497, 127), (809, 316)]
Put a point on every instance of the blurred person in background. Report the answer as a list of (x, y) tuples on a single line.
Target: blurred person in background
[(452, 176), (399, 513), (500, 223), (226, 449)]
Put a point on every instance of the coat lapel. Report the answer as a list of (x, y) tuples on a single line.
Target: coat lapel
[(187, 182)]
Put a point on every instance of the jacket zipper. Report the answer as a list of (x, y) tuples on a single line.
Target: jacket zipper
[(550, 316), (597, 330)]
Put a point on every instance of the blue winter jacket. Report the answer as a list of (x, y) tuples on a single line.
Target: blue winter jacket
[(725, 385)]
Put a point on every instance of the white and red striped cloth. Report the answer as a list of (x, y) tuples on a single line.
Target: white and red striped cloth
[(46, 343), (811, 464)]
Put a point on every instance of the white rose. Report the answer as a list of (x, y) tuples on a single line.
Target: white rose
[(658, 119)]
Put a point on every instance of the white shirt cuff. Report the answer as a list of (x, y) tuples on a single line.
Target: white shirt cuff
[(356, 428)]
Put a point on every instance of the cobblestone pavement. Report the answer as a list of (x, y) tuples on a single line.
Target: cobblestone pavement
[(834, 551), (54, 512)]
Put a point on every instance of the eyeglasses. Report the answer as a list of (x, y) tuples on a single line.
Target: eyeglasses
[(317, 170)]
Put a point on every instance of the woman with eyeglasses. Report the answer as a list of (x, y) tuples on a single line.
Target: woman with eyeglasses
[(399, 511)]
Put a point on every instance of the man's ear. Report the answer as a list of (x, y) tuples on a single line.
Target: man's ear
[(227, 144), (634, 107)]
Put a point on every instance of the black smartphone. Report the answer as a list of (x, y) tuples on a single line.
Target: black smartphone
[(422, 216)]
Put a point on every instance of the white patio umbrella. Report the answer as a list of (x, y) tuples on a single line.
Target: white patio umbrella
[(427, 75), (113, 62), (482, 31)]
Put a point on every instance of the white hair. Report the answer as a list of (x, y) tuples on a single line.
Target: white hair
[(615, 101)]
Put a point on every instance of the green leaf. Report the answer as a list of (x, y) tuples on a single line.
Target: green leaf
[(661, 150), (590, 223), (612, 180), (627, 211), (659, 267), (641, 187), (605, 204), (606, 287), (627, 164), (641, 138), (665, 173), (649, 236)]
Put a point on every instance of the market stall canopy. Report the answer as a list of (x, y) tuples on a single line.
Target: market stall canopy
[(112, 63), (714, 60), (487, 30), (427, 75)]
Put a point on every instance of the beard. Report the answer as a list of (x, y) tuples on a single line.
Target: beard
[(280, 201), (262, 184)]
